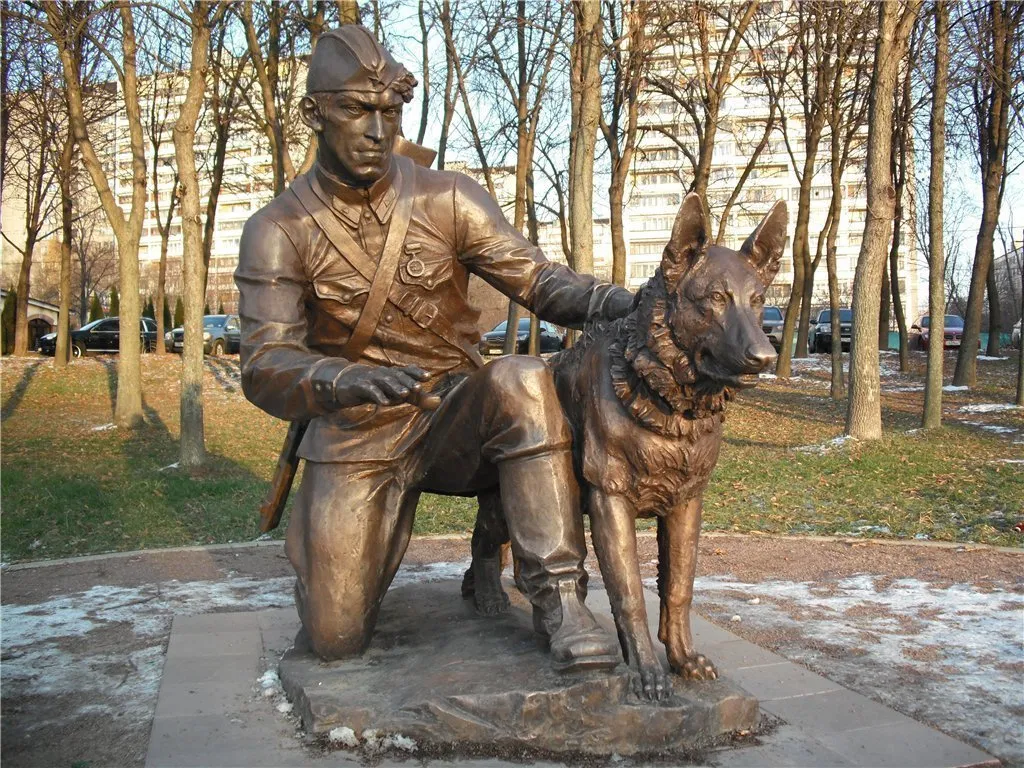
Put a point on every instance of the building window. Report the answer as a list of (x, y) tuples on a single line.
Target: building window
[(642, 270)]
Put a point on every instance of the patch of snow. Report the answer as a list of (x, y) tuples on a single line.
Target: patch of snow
[(968, 628), (906, 388), (767, 376), (988, 408), (169, 466), (343, 735), (987, 357), (754, 601), (955, 388), (1008, 461), (736, 619), (992, 427), (835, 442), (284, 707), (104, 427), (398, 741)]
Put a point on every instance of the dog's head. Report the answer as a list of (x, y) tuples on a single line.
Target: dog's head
[(715, 295)]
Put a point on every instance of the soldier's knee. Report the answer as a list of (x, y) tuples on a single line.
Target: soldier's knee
[(518, 380), (338, 634)]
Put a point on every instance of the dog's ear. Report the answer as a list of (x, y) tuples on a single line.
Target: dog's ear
[(765, 245), (688, 242)]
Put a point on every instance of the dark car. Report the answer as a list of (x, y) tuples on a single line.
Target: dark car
[(493, 342), (103, 335), (952, 335), (221, 333), (772, 323), (821, 331)]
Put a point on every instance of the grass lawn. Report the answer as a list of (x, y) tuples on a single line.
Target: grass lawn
[(72, 484)]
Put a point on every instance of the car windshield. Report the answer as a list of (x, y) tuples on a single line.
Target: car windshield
[(772, 313), (93, 324), (845, 316), (952, 321), (214, 321)]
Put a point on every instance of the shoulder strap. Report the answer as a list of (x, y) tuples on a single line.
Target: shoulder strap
[(384, 276), (422, 313)]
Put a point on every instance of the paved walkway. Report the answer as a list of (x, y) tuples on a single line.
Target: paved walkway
[(211, 709)]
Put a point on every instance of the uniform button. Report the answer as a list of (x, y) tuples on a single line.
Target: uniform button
[(388, 318), (367, 216), (429, 283)]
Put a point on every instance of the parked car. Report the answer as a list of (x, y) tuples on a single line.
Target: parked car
[(103, 335), (221, 333), (821, 331), (952, 336), (493, 342), (772, 322)]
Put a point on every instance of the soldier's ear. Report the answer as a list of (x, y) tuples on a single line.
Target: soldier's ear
[(765, 245), (688, 243), (309, 109)]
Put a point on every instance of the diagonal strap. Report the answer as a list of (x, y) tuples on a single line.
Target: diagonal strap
[(384, 275), (424, 314)]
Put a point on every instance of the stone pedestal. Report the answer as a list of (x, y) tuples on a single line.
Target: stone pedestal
[(439, 674)]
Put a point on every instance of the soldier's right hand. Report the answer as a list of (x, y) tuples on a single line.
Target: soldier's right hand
[(359, 384)]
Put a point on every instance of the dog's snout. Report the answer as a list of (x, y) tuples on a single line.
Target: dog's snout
[(760, 358)]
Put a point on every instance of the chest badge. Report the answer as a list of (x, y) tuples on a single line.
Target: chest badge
[(414, 267)]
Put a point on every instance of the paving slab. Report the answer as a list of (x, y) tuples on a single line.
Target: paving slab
[(225, 721)]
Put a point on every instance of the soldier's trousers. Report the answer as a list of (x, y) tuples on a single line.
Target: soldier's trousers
[(351, 522)]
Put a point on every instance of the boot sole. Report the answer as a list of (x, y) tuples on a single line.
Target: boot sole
[(587, 663)]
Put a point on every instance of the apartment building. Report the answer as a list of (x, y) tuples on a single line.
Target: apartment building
[(662, 174)]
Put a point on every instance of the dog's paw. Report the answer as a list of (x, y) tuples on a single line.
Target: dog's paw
[(651, 682), (491, 604), (697, 667)]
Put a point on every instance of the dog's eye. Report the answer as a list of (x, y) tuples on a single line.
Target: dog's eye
[(719, 298)]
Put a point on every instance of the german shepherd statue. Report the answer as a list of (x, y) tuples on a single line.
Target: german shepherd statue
[(645, 396)]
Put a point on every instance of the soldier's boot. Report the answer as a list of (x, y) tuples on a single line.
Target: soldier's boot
[(541, 504)]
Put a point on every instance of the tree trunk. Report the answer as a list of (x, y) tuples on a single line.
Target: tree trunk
[(615, 195), (63, 348), (21, 303), (192, 446), (425, 58), (864, 407), (806, 296), (1020, 350), (884, 300), (993, 134), (897, 302), (585, 83), (783, 367), (994, 313), (161, 297), (932, 417)]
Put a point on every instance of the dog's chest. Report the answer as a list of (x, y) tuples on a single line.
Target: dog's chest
[(657, 473)]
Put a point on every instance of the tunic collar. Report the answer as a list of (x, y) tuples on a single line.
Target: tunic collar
[(349, 202)]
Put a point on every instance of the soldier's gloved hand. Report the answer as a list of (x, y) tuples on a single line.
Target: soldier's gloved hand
[(358, 384)]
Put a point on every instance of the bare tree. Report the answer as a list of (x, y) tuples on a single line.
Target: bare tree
[(64, 26), (932, 417), (996, 32), (864, 414), (202, 15), (34, 133), (628, 49), (585, 115), (827, 37)]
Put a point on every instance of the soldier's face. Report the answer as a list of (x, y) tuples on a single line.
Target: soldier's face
[(357, 134)]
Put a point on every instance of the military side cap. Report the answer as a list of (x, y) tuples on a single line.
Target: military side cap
[(349, 58)]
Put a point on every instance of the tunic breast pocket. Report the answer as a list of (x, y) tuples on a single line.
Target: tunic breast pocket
[(423, 269), (345, 292)]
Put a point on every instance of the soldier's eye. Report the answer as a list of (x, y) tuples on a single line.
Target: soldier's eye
[(392, 112), (352, 110), (757, 300)]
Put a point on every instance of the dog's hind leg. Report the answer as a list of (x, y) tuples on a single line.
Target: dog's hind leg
[(482, 581), (678, 533)]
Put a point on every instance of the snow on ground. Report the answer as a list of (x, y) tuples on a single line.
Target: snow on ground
[(74, 643), (935, 652), (955, 388), (835, 442), (992, 427), (988, 407), (986, 357)]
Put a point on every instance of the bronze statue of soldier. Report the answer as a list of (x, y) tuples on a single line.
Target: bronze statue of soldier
[(355, 318)]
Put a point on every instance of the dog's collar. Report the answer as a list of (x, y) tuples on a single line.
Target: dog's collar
[(646, 383)]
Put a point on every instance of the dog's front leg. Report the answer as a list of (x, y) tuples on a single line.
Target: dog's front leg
[(613, 528), (678, 533)]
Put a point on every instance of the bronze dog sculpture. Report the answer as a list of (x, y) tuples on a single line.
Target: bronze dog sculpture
[(645, 396)]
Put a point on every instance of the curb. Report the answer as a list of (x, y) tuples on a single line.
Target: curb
[(953, 545)]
